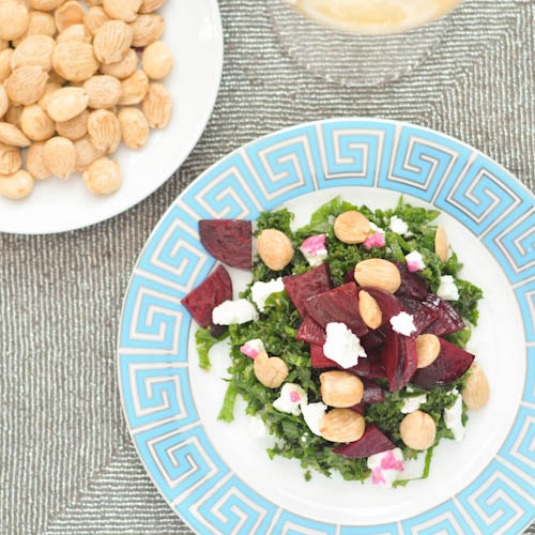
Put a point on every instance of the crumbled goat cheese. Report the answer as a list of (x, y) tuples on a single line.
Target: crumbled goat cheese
[(453, 418), (398, 226), (314, 249), (415, 261), (342, 346), (448, 289), (313, 413), (260, 291), (403, 324), (252, 348), (230, 312), (413, 403), (291, 398), (386, 467)]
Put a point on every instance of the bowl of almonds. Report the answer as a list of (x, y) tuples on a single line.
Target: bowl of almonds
[(100, 102)]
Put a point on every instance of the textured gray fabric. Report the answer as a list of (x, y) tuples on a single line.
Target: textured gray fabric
[(67, 464)]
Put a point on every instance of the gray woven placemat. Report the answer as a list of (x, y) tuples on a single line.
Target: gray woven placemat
[(67, 465)]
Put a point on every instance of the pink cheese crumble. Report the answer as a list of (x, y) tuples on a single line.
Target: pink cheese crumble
[(252, 348), (375, 240), (389, 462), (377, 476), (314, 245), (294, 396)]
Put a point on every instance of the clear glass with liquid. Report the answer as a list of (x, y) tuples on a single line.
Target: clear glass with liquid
[(360, 42)]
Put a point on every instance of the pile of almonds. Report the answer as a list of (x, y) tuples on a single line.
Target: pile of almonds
[(75, 81)]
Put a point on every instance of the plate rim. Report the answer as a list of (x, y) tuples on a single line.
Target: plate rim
[(242, 148)]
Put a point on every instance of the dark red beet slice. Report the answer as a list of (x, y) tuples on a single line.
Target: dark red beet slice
[(301, 287), (373, 393), (412, 285), (423, 312), (399, 359), (389, 304), (373, 441), (359, 407), (228, 240), (448, 319), (319, 360), (451, 364), (370, 367), (372, 340), (339, 305), (311, 332), (215, 289)]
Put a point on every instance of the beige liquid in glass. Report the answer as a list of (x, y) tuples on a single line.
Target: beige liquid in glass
[(374, 17)]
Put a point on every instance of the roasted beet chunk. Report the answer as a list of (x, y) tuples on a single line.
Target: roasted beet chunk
[(399, 359), (370, 367), (311, 332), (423, 312), (451, 364), (412, 285), (389, 304), (228, 240), (340, 305), (373, 393), (373, 441), (372, 340), (215, 289), (448, 319), (300, 287), (319, 360)]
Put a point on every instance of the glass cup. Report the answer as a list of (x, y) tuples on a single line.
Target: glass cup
[(360, 42)]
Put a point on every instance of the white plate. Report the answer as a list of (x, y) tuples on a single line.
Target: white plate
[(194, 34)]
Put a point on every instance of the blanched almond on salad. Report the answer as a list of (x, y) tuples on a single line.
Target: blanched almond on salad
[(275, 249), (378, 273), (351, 227)]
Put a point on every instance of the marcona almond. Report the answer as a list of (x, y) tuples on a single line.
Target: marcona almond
[(68, 14), (441, 244), (94, 19), (10, 159), (122, 9), (3, 45), (342, 425), (74, 61), (4, 101), (418, 430), (134, 127), (427, 349), (5, 64), (13, 115), (369, 310), (35, 161), (157, 60), (12, 135), (75, 128), (26, 84), (274, 248), (104, 91), (103, 177), (34, 50), (54, 77), (124, 68), (147, 29), (270, 371), (135, 88), (341, 389), (86, 153), (112, 41), (157, 106), (15, 20), (16, 186), (378, 273), (476, 391), (36, 123), (60, 156), (148, 6), (40, 24), (94, 2), (66, 103), (50, 87), (351, 227), (104, 130), (76, 32), (45, 5)]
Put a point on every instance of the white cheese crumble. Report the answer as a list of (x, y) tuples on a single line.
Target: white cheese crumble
[(230, 312), (260, 291), (448, 289), (403, 324), (252, 348), (415, 261), (342, 346), (398, 226), (453, 418), (314, 249), (291, 398), (386, 467), (376, 229), (413, 403), (313, 414)]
